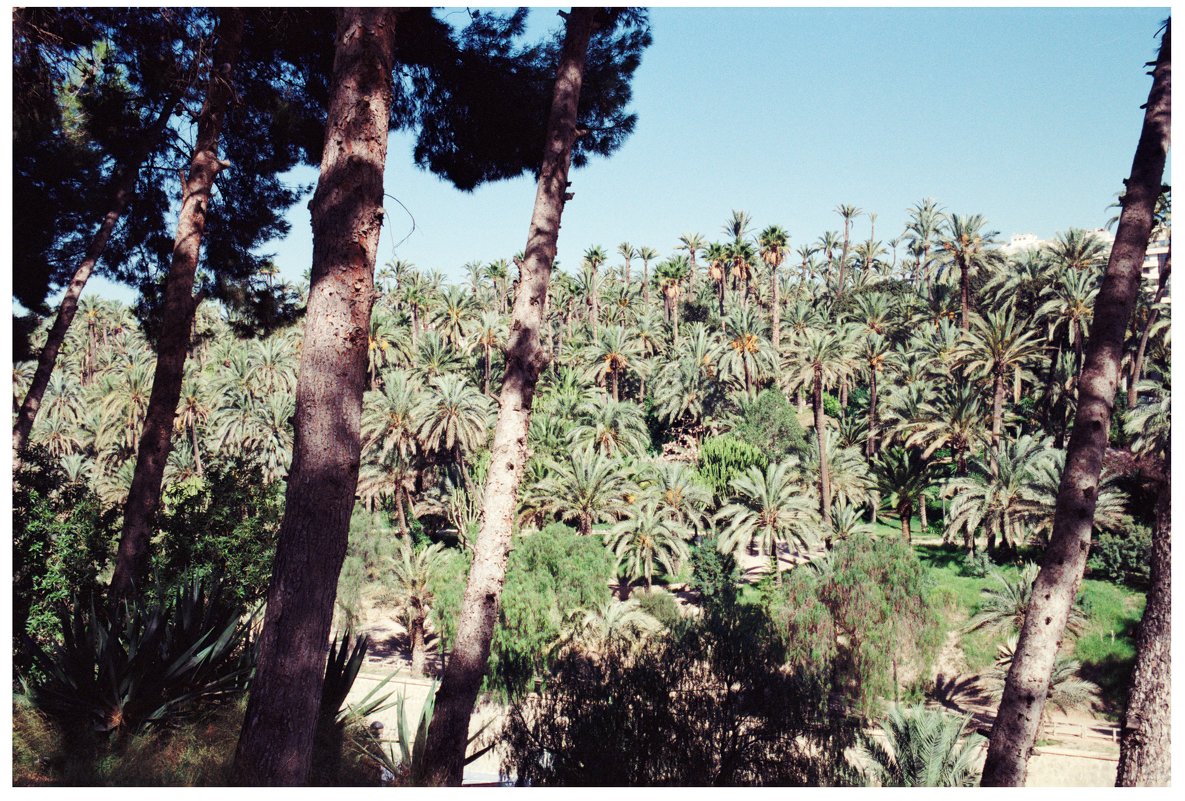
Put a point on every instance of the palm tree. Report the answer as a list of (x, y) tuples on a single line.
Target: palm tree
[(923, 748), (594, 632), (647, 538), (847, 521), (391, 417), (774, 243), (952, 419), (748, 356), (1067, 690), (1077, 250), (489, 332), (769, 508), (1069, 310), (585, 487), (627, 253), (679, 493), (499, 273), (902, 475), (413, 572), (611, 355), (964, 242), (806, 253), (692, 244), (997, 346), (611, 427), (820, 360), (874, 354), (926, 220), (1003, 607), (454, 418), (452, 315), (671, 274), (647, 255), (848, 212), (718, 257), (1001, 498)]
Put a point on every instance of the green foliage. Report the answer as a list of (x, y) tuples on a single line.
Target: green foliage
[(723, 458), (223, 525), (1122, 558), (63, 540), (831, 406), (923, 748), (661, 606), (712, 706), (447, 586), (150, 661), (550, 574), (803, 621), (770, 424), (714, 575)]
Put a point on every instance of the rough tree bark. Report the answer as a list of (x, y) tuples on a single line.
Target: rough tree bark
[(466, 666), (125, 185), (1144, 753), (1027, 685), (180, 304), (276, 744)]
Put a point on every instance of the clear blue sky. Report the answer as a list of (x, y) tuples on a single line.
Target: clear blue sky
[(1028, 116)]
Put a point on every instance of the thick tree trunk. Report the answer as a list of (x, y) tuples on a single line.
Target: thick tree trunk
[(1138, 361), (275, 747), (178, 312), (1027, 685), (904, 513), (466, 666), (1144, 753), (824, 473), (125, 185)]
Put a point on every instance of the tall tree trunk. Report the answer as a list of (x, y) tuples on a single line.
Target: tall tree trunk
[(485, 378), (275, 747), (964, 294), (180, 304), (824, 473), (922, 512), (1027, 685), (997, 419), (1138, 361), (776, 323), (871, 451), (466, 666), (843, 256), (125, 185), (1144, 754)]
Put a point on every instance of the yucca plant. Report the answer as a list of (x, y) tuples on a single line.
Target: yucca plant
[(922, 748), (149, 661), (410, 766)]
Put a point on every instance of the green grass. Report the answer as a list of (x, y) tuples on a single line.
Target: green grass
[(1106, 648)]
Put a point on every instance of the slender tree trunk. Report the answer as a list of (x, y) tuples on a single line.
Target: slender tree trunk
[(1144, 754), (613, 383), (180, 304), (125, 185), (824, 473), (197, 451), (1027, 685), (964, 294), (275, 747), (485, 380), (904, 513), (417, 645), (997, 419), (776, 324), (922, 512), (843, 256), (1138, 362), (872, 415), (466, 666)]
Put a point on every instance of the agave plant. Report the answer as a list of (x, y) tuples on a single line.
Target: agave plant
[(149, 661), (410, 765), (922, 748)]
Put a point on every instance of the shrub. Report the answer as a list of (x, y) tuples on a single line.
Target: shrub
[(710, 706), (223, 525), (661, 606), (714, 575), (723, 458), (1122, 559), (770, 424), (550, 574), (63, 540)]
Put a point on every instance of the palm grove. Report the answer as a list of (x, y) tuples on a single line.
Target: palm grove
[(489, 457)]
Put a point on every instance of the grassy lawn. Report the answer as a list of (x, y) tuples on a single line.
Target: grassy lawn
[(1106, 648)]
